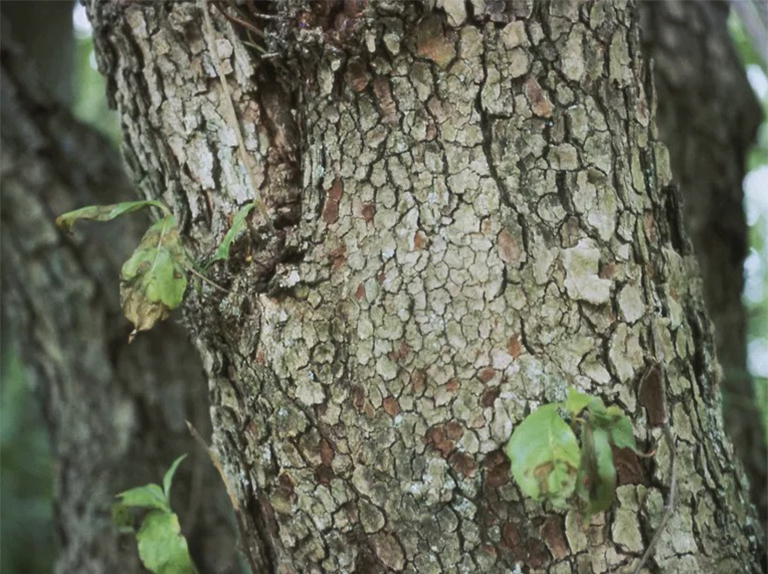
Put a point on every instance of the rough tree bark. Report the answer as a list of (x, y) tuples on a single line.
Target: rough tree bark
[(472, 212), (115, 412), (708, 117)]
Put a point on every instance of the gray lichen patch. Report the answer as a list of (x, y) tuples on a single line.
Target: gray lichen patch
[(581, 267)]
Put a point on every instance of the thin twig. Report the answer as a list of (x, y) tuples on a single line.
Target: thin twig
[(199, 275), (669, 507), (232, 119), (217, 463), (230, 492), (236, 20)]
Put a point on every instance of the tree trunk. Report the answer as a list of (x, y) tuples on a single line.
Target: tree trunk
[(708, 117), (115, 412), (472, 212)]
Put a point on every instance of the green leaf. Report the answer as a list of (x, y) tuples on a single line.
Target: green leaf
[(104, 212), (153, 280), (612, 419), (620, 429), (147, 496), (162, 548), (168, 478), (597, 475), (237, 225), (545, 456), (577, 401)]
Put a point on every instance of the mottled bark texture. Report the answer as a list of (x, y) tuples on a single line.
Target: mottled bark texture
[(708, 117), (485, 218), (115, 412)]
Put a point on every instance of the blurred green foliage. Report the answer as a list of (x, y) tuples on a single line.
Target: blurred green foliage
[(26, 475), (756, 205), (27, 543), (90, 103)]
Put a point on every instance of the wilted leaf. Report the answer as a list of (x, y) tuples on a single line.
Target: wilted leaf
[(162, 548), (104, 212), (153, 280), (237, 225), (168, 478), (544, 455), (147, 496), (597, 475)]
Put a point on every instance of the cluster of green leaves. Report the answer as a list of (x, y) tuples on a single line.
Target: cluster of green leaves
[(570, 464), (154, 279), (162, 547)]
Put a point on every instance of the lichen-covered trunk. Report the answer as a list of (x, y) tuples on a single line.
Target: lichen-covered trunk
[(472, 212), (115, 413)]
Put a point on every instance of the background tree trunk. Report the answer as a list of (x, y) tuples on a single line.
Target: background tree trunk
[(708, 117), (115, 412), (485, 219)]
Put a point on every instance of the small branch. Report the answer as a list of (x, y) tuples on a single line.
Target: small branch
[(232, 116)]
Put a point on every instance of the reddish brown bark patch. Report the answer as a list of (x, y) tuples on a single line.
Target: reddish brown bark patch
[(331, 208), (431, 42), (357, 75), (418, 382), (324, 474), (489, 397), (453, 385), (510, 538), (514, 346), (326, 452), (540, 104), (338, 256), (628, 467), (497, 470), (652, 395), (463, 463), (369, 210), (401, 352), (454, 430), (391, 406), (486, 375), (436, 437), (509, 250), (553, 535), (538, 555), (419, 240)]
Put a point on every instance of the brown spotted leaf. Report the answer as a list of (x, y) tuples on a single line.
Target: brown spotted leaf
[(153, 280), (545, 456)]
